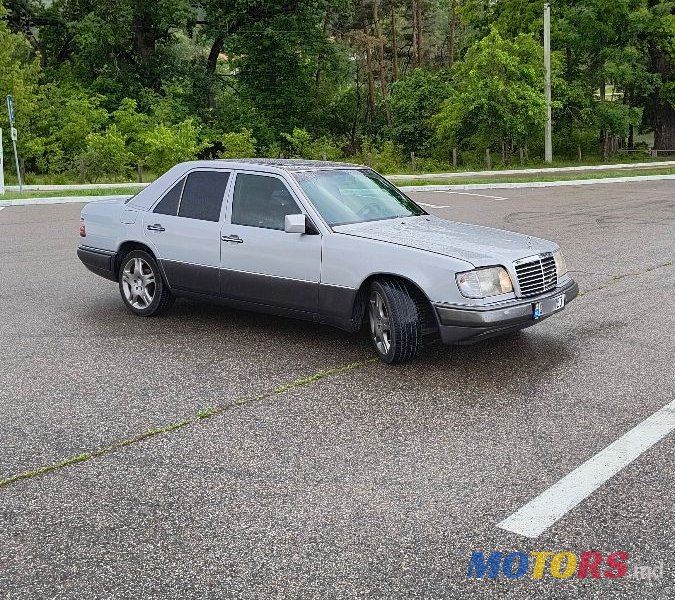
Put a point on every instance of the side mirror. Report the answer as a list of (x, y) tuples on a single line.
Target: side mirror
[(295, 224)]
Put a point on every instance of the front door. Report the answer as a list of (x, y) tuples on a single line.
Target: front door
[(260, 262), (185, 227)]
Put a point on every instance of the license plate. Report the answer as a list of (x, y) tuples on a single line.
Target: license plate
[(548, 306)]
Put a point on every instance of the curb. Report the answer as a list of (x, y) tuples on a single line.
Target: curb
[(532, 184)]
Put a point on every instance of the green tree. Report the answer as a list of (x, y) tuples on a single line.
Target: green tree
[(19, 72), (496, 100), (106, 154), (167, 146), (65, 117), (238, 144), (415, 99)]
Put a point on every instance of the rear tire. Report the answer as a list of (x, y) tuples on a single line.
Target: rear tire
[(394, 321), (143, 290)]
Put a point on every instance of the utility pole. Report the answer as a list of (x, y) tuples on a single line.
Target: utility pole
[(548, 144)]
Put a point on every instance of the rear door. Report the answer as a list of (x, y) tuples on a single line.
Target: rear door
[(184, 228), (260, 262)]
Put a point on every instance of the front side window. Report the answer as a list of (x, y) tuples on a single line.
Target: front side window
[(203, 195), (345, 196), (261, 201)]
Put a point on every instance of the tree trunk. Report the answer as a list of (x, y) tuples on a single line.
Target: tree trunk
[(380, 59), (357, 110), (145, 44), (144, 38), (453, 33), (216, 49), (415, 45), (418, 20), (662, 113), (394, 42), (211, 64), (317, 76), (664, 125), (371, 80)]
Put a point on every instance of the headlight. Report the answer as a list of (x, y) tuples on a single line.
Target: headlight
[(482, 283), (560, 265)]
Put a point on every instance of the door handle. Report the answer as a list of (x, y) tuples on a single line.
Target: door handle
[(232, 238), (156, 227)]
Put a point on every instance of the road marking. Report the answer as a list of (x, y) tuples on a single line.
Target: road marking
[(2, 207), (543, 511), (435, 205), (460, 193), (468, 194)]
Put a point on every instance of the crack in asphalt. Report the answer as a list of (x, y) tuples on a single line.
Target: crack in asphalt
[(199, 417), (616, 278)]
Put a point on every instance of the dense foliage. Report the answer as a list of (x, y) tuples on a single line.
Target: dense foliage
[(103, 86)]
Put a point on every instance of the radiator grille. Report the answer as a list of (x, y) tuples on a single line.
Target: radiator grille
[(537, 276)]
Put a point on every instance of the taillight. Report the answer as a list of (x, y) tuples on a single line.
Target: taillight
[(83, 229)]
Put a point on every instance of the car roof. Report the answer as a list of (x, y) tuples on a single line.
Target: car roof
[(285, 164), (147, 197)]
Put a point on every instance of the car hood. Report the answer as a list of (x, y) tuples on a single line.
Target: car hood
[(481, 246)]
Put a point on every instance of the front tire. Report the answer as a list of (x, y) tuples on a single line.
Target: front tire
[(394, 321), (142, 287)]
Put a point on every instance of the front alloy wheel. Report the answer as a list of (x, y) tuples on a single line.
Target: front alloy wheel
[(380, 325), (395, 325)]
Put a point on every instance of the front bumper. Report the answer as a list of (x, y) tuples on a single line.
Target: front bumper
[(101, 262), (467, 325)]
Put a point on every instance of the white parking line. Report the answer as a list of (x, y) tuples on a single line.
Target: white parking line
[(543, 511), (2, 207), (467, 194), (428, 205)]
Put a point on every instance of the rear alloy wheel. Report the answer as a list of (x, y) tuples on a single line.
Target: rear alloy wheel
[(395, 326), (141, 285)]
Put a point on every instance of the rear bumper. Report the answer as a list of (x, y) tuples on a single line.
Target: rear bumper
[(466, 325), (101, 262)]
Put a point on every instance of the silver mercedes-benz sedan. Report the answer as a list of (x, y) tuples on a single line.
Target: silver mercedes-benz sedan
[(328, 242)]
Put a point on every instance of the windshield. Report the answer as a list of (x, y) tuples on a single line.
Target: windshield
[(347, 196)]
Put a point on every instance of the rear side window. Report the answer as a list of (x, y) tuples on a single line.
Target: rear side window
[(169, 204), (203, 195), (261, 201)]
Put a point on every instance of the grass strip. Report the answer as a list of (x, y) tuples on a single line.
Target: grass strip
[(127, 191), (202, 415)]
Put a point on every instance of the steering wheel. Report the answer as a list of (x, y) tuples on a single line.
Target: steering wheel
[(369, 210)]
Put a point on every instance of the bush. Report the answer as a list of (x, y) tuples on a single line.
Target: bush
[(325, 149), (168, 146), (432, 165), (387, 158), (297, 143), (106, 155), (300, 144), (238, 145)]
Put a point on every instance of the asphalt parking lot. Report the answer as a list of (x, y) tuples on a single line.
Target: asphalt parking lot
[(328, 475)]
